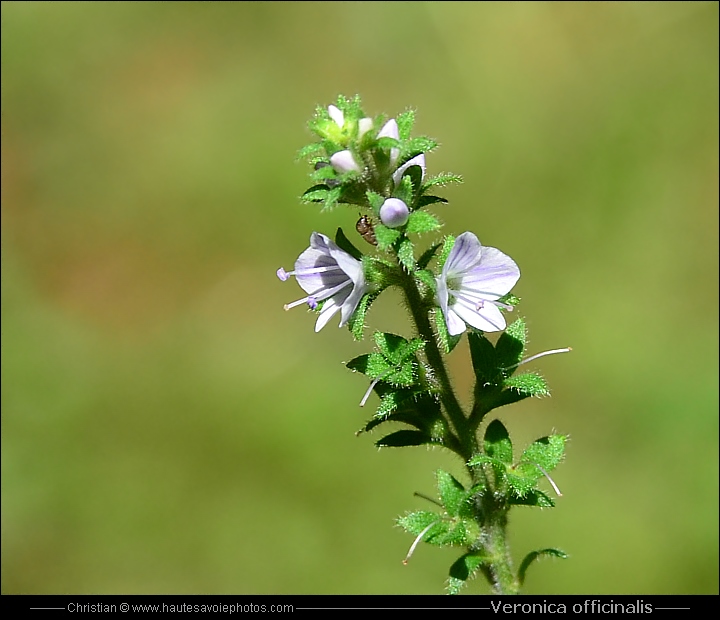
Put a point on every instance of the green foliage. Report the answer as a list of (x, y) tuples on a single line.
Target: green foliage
[(317, 193), (510, 347), (452, 493), (427, 278), (345, 244), (422, 222), (405, 122), (533, 498), (404, 438), (427, 256), (405, 254), (386, 236), (447, 246), (356, 323), (484, 360), (379, 272), (440, 180), (465, 569), (411, 389), (497, 442), (404, 190), (375, 201), (415, 146), (528, 384), (534, 555), (427, 200)]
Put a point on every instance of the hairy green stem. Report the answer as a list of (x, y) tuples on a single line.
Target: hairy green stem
[(490, 513), (419, 311)]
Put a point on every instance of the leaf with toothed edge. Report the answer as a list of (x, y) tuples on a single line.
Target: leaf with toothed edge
[(534, 555)]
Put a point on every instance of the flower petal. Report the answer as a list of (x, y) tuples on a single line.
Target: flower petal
[(389, 130), (494, 274), (351, 302), (464, 255), (418, 160), (488, 318), (455, 324), (329, 310)]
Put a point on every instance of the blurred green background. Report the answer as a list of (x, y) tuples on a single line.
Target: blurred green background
[(167, 428)]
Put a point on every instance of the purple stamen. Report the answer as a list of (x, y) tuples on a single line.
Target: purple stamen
[(282, 274), (312, 302)]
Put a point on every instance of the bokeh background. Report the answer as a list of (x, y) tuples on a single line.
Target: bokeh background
[(167, 428)]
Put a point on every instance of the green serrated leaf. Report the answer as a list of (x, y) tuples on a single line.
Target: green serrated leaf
[(534, 555), (427, 256), (404, 190), (484, 360), (372, 365), (345, 244), (547, 452), (406, 254), (386, 143), (415, 522), (522, 478), (447, 246), (527, 384), (404, 438), (464, 569), (356, 323), (311, 150), (427, 278), (379, 272), (452, 492), (375, 200), (385, 236), (532, 498), (415, 146), (317, 193), (390, 345), (510, 347), (332, 197), (441, 180), (422, 222), (324, 174), (427, 200), (405, 122), (497, 442)]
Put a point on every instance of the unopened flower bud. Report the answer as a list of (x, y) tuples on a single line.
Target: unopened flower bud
[(394, 213), (343, 161)]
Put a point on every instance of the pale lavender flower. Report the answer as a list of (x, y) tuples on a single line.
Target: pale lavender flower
[(327, 273), (394, 212), (473, 278), (390, 130)]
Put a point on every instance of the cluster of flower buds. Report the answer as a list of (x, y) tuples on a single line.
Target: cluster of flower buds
[(376, 167)]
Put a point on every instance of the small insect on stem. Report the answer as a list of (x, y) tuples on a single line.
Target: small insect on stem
[(366, 229)]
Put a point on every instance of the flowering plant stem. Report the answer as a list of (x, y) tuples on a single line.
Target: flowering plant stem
[(377, 168), (490, 515)]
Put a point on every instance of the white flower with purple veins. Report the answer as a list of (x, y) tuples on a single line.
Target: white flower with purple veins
[(327, 273), (472, 281)]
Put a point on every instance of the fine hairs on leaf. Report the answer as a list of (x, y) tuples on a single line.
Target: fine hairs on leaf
[(453, 288)]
